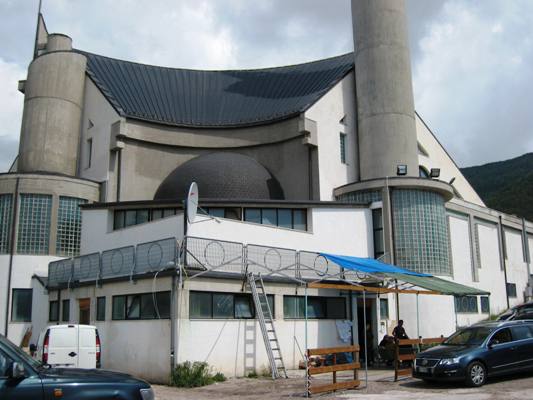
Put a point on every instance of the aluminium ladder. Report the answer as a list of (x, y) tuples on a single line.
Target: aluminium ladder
[(266, 322)]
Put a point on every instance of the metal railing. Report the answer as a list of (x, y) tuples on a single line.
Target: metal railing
[(198, 256)]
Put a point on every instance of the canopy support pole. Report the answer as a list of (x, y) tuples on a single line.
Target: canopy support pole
[(397, 302), (417, 318), (366, 347), (306, 346)]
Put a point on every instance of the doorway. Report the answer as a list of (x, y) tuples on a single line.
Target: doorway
[(371, 328), (85, 311)]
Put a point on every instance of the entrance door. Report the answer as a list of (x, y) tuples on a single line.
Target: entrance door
[(85, 311), (370, 327)]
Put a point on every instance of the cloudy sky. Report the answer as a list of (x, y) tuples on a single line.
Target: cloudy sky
[(472, 60)]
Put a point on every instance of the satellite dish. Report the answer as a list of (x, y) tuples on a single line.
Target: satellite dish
[(192, 202)]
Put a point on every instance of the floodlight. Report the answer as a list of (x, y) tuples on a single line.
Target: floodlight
[(435, 172), (401, 169)]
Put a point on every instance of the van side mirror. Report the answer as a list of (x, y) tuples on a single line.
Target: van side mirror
[(16, 371)]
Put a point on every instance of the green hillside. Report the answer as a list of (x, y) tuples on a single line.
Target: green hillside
[(505, 185)]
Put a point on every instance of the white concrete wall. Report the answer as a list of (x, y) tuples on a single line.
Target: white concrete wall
[(102, 115), (97, 232), (439, 158), (24, 267), (337, 103), (346, 231), (515, 264)]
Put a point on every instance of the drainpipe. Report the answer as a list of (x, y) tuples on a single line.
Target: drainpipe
[(527, 255), (503, 257), (119, 172), (11, 252)]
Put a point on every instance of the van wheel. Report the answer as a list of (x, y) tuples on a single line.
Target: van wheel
[(476, 374)]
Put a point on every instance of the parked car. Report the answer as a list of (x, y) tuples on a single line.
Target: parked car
[(24, 378), (482, 350), (74, 346), (522, 311)]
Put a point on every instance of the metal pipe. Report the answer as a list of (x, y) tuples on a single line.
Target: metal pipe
[(173, 350), (527, 255), (417, 318), (503, 257), (306, 344), (366, 347), (11, 253)]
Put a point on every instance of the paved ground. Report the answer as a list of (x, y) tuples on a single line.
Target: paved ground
[(380, 387)]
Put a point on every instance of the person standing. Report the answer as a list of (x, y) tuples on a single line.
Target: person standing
[(399, 331)]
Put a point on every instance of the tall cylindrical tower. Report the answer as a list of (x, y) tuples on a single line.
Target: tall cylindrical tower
[(53, 104), (385, 106)]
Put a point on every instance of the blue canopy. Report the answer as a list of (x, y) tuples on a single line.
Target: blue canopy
[(368, 265)]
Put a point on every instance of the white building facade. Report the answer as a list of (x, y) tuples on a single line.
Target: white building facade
[(291, 162)]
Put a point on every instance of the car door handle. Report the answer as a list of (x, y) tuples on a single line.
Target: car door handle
[(72, 354)]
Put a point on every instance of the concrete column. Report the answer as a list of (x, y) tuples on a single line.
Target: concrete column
[(385, 105)]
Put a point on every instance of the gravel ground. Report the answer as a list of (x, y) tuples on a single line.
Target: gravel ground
[(380, 387)]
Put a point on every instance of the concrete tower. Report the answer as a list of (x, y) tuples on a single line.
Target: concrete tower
[(53, 104), (385, 106)]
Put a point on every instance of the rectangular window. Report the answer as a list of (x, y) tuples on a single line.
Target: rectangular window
[(125, 218), (65, 310), (317, 307), (252, 215), (511, 289), (141, 306), (130, 218), (21, 305), (34, 224), (89, 152), (299, 218), (269, 216), (100, 308), (216, 212), (384, 308), (466, 304), (212, 305), (69, 226), (53, 311), (485, 304), (5, 222), (377, 224), (285, 218), (342, 138)]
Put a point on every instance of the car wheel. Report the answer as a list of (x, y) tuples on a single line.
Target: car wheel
[(476, 374)]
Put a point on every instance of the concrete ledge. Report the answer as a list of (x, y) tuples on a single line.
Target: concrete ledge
[(432, 185)]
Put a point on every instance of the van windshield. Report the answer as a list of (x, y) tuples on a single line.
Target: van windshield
[(469, 336), (25, 357)]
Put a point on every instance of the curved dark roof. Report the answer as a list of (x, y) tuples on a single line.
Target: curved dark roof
[(216, 99), (221, 175)]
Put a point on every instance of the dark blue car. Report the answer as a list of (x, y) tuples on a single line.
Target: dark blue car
[(480, 351), (23, 378)]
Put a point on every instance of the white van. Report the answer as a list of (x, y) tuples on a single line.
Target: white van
[(76, 346)]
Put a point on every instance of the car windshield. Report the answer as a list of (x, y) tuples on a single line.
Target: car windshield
[(469, 336), (19, 352)]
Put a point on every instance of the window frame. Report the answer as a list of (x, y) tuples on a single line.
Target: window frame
[(383, 303), (342, 147), (323, 299), (99, 308), (271, 298), (511, 293), (63, 308), (53, 304), (460, 310), (21, 290), (130, 299)]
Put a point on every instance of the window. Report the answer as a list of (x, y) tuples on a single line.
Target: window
[(220, 212), (317, 307), (342, 138), (125, 218), (511, 289), (485, 304), (283, 217), (100, 308), (384, 308), (423, 172), (21, 305), (5, 363), (377, 223), (502, 336), (466, 304), (69, 226), (53, 311), (141, 306), (65, 310), (89, 152), (212, 305), (34, 224), (522, 332), (5, 222)]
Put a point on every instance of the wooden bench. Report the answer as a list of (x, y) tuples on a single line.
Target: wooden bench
[(334, 368), (399, 369)]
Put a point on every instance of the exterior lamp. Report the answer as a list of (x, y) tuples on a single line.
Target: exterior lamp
[(434, 173), (401, 170)]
